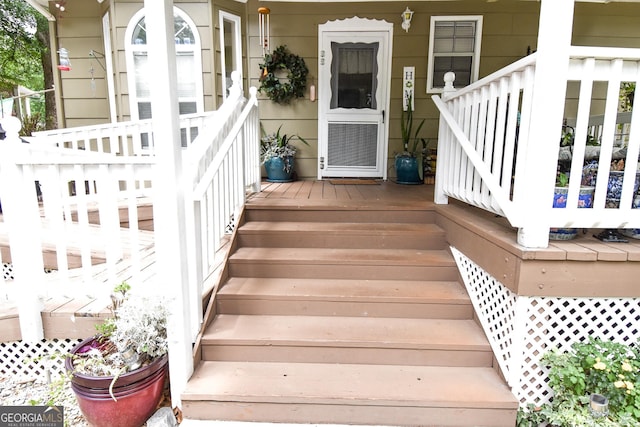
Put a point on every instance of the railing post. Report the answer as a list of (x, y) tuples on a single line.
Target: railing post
[(21, 215), (536, 171), (444, 142), (169, 196)]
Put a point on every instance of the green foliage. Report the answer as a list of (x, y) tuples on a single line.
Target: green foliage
[(32, 123), (595, 366), (24, 55), (279, 90), (562, 179), (21, 45), (277, 145), (410, 139)]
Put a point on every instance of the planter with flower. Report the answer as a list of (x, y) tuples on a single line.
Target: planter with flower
[(277, 154), (561, 190), (118, 375), (595, 383), (408, 164)]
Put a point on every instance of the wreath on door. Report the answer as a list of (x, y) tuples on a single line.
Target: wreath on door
[(278, 62)]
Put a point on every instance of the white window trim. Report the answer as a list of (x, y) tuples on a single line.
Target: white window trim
[(237, 41), (130, 48), (475, 67), (108, 52)]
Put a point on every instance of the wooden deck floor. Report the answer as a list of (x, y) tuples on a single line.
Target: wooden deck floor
[(490, 239)]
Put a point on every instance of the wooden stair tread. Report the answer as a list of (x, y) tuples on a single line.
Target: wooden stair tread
[(351, 384), (410, 257), (338, 331), (410, 291), (274, 227)]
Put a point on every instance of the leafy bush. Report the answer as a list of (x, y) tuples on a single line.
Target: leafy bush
[(592, 367)]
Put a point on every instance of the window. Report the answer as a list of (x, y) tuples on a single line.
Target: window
[(454, 45), (230, 49), (188, 67)]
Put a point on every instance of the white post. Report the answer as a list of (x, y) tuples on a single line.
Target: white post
[(444, 143), (534, 184), (168, 192), (21, 215)]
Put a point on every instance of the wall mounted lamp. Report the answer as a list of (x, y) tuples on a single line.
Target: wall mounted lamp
[(407, 15), (264, 24)]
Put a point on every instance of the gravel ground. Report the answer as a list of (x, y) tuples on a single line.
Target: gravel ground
[(31, 391)]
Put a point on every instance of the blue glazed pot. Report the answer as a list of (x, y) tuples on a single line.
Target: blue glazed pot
[(585, 200), (407, 170), (277, 171), (614, 189)]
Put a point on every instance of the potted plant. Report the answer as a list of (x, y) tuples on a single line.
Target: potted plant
[(561, 190), (118, 375), (408, 164), (594, 383), (278, 155)]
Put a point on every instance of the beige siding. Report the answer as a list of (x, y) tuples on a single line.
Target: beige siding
[(238, 9), (509, 28), (80, 31)]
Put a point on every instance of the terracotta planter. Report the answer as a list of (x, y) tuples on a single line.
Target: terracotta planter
[(137, 393)]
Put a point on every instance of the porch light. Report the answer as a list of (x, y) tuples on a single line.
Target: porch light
[(61, 5), (264, 24), (407, 15)]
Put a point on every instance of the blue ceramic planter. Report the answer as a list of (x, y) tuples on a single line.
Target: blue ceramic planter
[(585, 200), (277, 171), (407, 170)]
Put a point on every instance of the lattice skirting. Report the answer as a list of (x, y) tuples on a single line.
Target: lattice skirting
[(7, 271), (35, 360), (521, 329)]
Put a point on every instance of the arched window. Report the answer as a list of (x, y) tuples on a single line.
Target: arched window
[(188, 64)]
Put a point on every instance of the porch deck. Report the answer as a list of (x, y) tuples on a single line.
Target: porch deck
[(490, 240)]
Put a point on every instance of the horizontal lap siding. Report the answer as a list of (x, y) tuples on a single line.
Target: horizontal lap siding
[(508, 30)]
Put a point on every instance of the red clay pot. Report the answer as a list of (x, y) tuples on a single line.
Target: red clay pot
[(137, 393)]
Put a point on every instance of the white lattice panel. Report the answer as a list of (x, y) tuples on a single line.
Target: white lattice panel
[(491, 301), (32, 360), (521, 329), (7, 271)]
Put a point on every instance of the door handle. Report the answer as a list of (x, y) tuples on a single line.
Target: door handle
[(382, 116)]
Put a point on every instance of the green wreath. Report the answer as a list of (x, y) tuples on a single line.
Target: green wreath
[(283, 92)]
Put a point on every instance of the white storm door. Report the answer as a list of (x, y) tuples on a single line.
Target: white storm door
[(353, 101)]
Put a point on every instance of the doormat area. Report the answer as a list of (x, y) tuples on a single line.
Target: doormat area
[(354, 182)]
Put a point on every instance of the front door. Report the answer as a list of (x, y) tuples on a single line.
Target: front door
[(353, 98)]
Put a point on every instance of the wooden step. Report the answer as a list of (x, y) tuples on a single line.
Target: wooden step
[(342, 235), (349, 394), (372, 213), (397, 264), (337, 339), (335, 297)]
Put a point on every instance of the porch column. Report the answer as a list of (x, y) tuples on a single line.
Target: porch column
[(169, 192), (21, 216), (534, 187)]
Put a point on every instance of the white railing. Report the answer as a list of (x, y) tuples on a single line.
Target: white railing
[(225, 165), (484, 129), (74, 225), (130, 138)]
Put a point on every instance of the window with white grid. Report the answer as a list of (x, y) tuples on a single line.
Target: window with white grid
[(454, 45)]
